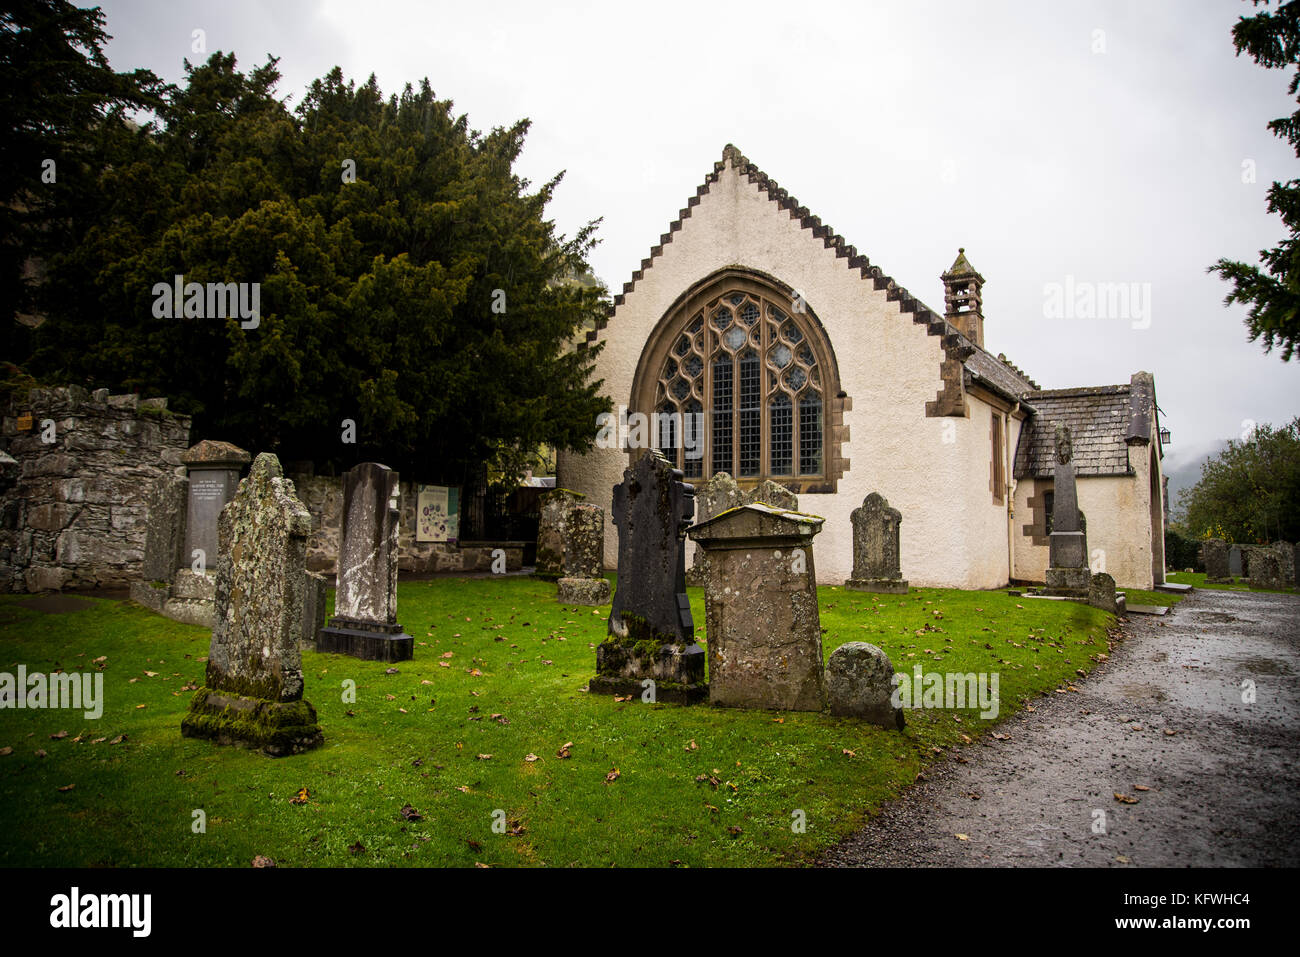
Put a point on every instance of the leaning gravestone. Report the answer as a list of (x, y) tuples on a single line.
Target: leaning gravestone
[(1214, 553), (313, 608), (551, 530), (1067, 569), (876, 562), (651, 633), (365, 599), (252, 693), (760, 597), (584, 557), (860, 684), (1101, 593)]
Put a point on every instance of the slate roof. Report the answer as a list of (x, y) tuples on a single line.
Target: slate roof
[(1000, 374), (1099, 420)]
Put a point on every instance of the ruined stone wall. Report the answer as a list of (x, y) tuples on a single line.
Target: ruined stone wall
[(72, 510), (323, 496)]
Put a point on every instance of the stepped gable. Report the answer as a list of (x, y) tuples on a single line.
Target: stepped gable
[(976, 363)]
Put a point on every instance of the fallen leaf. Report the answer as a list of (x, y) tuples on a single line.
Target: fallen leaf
[(118, 740), (616, 697), (151, 674), (357, 848), (481, 864), (1140, 787), (58, 735), (263, 861), (448, 654), (5, 752), (564, 750), (692, 746), (485, 757), (1125, 799), (301, 798), (41, 753), (852, 754), (411, 814), (734, 830), (462, 789), (67, 787), (965, 837), (612, 776), (139, 706), (530, 758)]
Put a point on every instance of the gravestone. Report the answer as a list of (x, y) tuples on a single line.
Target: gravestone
[(1236, 563), (712, 498), (760, 598), (876, 559), (860, 684), (1214, 554), (1067, 569), (1286, 563), (253, 684), (771, 493), (213, 469), (1101, 593), (1264, 569), (365, 598), (584, 582), (651, 633), (314, 600), (552, 521), (164, 539)]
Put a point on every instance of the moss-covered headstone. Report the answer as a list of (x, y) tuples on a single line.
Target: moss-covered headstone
[(552, 526), (252, 694), (650, 650)]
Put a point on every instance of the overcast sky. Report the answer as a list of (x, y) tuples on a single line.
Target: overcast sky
[(1108, 142)]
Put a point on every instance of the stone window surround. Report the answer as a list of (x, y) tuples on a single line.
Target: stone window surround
[(834, 401)]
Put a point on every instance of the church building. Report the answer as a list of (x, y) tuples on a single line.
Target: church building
[(772, 349)]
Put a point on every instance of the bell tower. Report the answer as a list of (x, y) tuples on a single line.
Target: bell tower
[(962, 300)]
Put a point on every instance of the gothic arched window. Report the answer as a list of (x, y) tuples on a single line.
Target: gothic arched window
[(739, 376)]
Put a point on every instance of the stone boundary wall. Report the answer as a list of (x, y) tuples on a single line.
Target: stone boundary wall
[(323, 496), (72, 511)]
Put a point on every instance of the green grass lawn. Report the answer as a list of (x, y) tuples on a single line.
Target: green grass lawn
[(1198, 580), (498, 677)]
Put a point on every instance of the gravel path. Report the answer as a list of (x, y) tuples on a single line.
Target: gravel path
[(1224, 787)]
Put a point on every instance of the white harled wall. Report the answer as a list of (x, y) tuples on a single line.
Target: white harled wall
[(934, 470)]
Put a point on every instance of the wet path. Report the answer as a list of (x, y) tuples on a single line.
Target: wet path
[(1164, 712)]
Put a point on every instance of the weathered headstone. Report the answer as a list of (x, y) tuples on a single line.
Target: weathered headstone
[(213, 469), (1101, 593), (552, 521), (712, 497), (365, 598), (860, 684), (1214, 554), (651, 633), (1067, 569), (1286, 563), (1236, 562), (876, 558), (253, 685), (164, 539), (760, 598), (584, 582), (1264, 569), (314, 599), (771, 493)]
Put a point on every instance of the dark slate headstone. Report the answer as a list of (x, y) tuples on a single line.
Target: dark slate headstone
[(1214, 554), (1236, 564), (253, 685), (213, 469), (651, 632), (1067, 569), (314, 600), (164, 538), (365, 598), (876, 559)]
